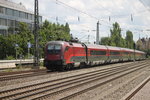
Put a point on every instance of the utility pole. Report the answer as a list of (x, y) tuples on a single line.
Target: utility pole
[(97, 33), (36, 34)]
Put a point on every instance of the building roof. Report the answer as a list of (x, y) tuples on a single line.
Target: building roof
[(12, 5)]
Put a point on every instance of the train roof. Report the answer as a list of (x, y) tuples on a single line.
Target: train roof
[(94, 46), (56, 42), (139, 51), (66, 43), (132, 50), (127, 49), (113, 48)]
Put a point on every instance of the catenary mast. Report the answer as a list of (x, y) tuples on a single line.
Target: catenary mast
[(97, 33), (36, 34)]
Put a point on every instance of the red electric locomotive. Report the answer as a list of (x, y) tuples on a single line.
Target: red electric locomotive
[(60, 55), (63, 55)]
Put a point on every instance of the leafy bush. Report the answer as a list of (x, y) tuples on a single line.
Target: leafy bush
[(10, 58)]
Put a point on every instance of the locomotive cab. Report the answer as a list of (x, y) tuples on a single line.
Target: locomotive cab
[(54, 50), (53, 55)]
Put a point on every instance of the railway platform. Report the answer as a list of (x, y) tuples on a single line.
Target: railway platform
[(4, 64)]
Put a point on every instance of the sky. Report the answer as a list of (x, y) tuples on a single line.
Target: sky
[(83, 15)]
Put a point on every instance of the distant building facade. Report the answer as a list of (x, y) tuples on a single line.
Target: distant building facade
[(11, 14), (143, 44)]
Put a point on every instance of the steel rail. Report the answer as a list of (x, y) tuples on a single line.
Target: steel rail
[(61, 79), (95, 86), (11, 90)]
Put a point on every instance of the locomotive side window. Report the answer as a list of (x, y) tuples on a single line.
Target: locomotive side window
[(67, 48), (54, 49)]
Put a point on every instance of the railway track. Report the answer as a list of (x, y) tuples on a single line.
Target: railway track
[(23, 74), (58, 89), (135, 90), (89, 88)]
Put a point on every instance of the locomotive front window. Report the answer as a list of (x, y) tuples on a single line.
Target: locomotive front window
[(50, 47), (57, 47), (54, 49)]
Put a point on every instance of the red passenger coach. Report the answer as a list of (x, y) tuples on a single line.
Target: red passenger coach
[(97, 54), (125, 54), (114, 54)]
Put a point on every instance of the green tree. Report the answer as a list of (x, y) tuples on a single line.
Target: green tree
[(129, 39), (24, 36), (51, 31), (116, 38), (7, 47), (2, 47), (48, 32), (105, 41)]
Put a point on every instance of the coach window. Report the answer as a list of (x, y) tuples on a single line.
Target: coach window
[(94, 52), (126, 53), (114, 53)]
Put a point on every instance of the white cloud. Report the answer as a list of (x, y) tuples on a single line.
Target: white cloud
[(76, 4), (119, 10)]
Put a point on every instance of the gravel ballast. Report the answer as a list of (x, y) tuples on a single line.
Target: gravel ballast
[(114, 90)]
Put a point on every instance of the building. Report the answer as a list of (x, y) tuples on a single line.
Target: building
[(143, 44), (11, 14)]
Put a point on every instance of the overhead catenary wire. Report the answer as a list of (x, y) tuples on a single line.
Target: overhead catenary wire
[(109, 25), (145, 4), (77, 9), (122, 15)]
